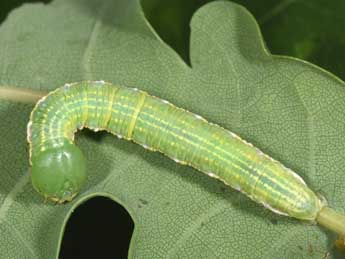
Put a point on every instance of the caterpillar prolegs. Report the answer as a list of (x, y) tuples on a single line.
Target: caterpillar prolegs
[(58, 166)]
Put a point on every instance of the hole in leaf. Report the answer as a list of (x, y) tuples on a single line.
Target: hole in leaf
[(99, 228)]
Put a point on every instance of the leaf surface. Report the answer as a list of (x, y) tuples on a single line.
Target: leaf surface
[(313, 31), (290, 109)]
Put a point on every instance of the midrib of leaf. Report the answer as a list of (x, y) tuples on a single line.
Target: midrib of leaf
[(96, 27), (231, 64), (192, 228), (8, 201), (18, 187)]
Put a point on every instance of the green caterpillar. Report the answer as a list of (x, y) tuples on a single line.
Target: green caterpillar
[(58, 166)]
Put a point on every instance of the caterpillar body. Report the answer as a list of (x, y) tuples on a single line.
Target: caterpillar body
[(58, 166)]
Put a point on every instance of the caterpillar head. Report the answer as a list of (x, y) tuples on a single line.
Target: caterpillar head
[(59, 173)]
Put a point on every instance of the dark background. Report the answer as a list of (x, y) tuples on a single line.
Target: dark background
[(312, 30)]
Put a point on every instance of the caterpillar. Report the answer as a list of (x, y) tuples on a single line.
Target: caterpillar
[(58, 166)]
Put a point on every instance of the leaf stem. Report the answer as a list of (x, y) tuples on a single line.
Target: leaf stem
[(20, 94), (332, 220)]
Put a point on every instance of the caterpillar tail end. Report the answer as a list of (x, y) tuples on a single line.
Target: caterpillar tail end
[(332, 220), (59, 173)]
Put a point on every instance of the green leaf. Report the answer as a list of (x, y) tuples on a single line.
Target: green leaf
[(290, 109), (313, 31)]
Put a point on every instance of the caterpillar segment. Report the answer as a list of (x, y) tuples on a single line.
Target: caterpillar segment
[(58, 166)]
